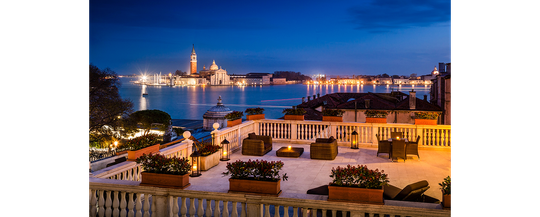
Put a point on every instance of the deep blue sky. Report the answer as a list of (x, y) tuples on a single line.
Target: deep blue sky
[(331, 37)]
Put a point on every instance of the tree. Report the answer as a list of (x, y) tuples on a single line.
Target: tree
[(385, 75), (147, 119), (179, 73), (413, 75), (107, 108)]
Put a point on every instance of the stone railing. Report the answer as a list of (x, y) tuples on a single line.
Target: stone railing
[(131, 171), (126, 198), (307, 131)]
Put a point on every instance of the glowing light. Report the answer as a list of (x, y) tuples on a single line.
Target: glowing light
[(289, 147), (224, 153)]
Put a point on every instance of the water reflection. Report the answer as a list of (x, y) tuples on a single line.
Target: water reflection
[(143, 102)]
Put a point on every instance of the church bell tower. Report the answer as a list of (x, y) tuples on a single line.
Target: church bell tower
[(193, 67)]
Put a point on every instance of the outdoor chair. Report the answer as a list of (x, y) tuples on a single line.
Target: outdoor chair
[(398, 149), (411, 192), (324, 149), (256, 145), (383, 147), (396, 134), (412, 148)]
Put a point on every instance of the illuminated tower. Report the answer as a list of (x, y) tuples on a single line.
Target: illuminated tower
[(193, 68)]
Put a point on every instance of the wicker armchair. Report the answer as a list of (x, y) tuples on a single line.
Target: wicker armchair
[(396, 134), (256, 145), (412, 148), (383, 147), (324, 149), (398, 149)]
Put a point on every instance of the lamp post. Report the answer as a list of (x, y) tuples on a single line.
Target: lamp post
[(354, 140), (225, 150)]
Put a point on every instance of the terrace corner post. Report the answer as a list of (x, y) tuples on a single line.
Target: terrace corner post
[(254, 206), (294, 131), (374, 132), (333, 130)]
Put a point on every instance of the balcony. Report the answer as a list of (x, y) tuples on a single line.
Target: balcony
[(208, 193)]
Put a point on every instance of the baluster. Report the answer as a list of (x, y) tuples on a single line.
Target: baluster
[(183, 207), (131, 205), (304, 212), (93, 202), (146, 206), (295, 212), (324, 213), (225, 209), (276, 210), (108, 204), (216, 208), (200, 211), (129, 174), (116, 204), (101, 204), (138, 206), (243, 210), (334, 212), (192, 207), (175, 208), (267, 210), (123, 204), (234, 209), (286, 211)]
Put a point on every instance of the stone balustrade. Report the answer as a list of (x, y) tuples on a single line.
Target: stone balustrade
[(126, 198)]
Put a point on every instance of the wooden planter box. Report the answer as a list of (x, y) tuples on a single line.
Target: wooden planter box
[(332, 118), (209, 161), (165, 180), (355, 195), (234, 123), (375, 120), (446, 200), (254, 117), (294, 117), (255, 187), (425, 122), (133, 155)]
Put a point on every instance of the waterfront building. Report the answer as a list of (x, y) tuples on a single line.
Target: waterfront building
[(401, 107), (190, 80), (216, 75), (252, 78), (440, 94), (278, 80), (216, 114)]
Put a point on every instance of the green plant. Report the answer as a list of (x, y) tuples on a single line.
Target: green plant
[(178, 131), (358, 176), (294, 111), (254, 111), (375, 114), (156, 163), (257, 170), (333, 112), (234, 115), (426, 115), (445, 185), (207, 148), (139, 142)]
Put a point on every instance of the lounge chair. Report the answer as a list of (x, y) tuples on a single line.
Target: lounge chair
[(412, 148), (256, 145), (383, 146), (398, 149), (324, 149), (412, 192)]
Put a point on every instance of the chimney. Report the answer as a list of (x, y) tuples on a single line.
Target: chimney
[(314, 96), (308, 98), (318, 95), (412, 100), (425, 97), (367, 104), (303, 99)]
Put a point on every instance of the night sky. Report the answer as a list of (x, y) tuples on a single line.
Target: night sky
[(398, 37)]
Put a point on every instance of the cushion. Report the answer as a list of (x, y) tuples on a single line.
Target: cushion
[(331, 139), (409, 188), (252, 136)]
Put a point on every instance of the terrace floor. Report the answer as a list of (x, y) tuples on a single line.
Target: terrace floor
[(305, 173)]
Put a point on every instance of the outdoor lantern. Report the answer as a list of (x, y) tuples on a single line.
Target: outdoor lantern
[(225, 150), (195, 164), (354, 140), (289, 147)]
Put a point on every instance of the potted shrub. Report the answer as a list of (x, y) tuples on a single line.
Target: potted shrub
[(375, 116), (294, 113), (445, 188), (425, 118), (357, 184), (254, 113), (335, 115), (209, 155), (259, 177), (160, 171), (234, 118), (138, 146)]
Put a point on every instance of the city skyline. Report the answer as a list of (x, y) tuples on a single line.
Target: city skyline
[(349, 38)]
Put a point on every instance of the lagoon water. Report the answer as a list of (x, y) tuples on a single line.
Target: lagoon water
[(191, 102)]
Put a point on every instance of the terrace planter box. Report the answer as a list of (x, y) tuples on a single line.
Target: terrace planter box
[(355, 195), (375, 120), (294, 117), (234, 123), (209, 161), (133, 155), (255, 186), (425, 122), (254, 117), (446, 200), (165, 180), (332, 118)]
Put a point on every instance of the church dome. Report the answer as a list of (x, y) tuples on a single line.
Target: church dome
[(214, 66), (435, 71), (216, 114)]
